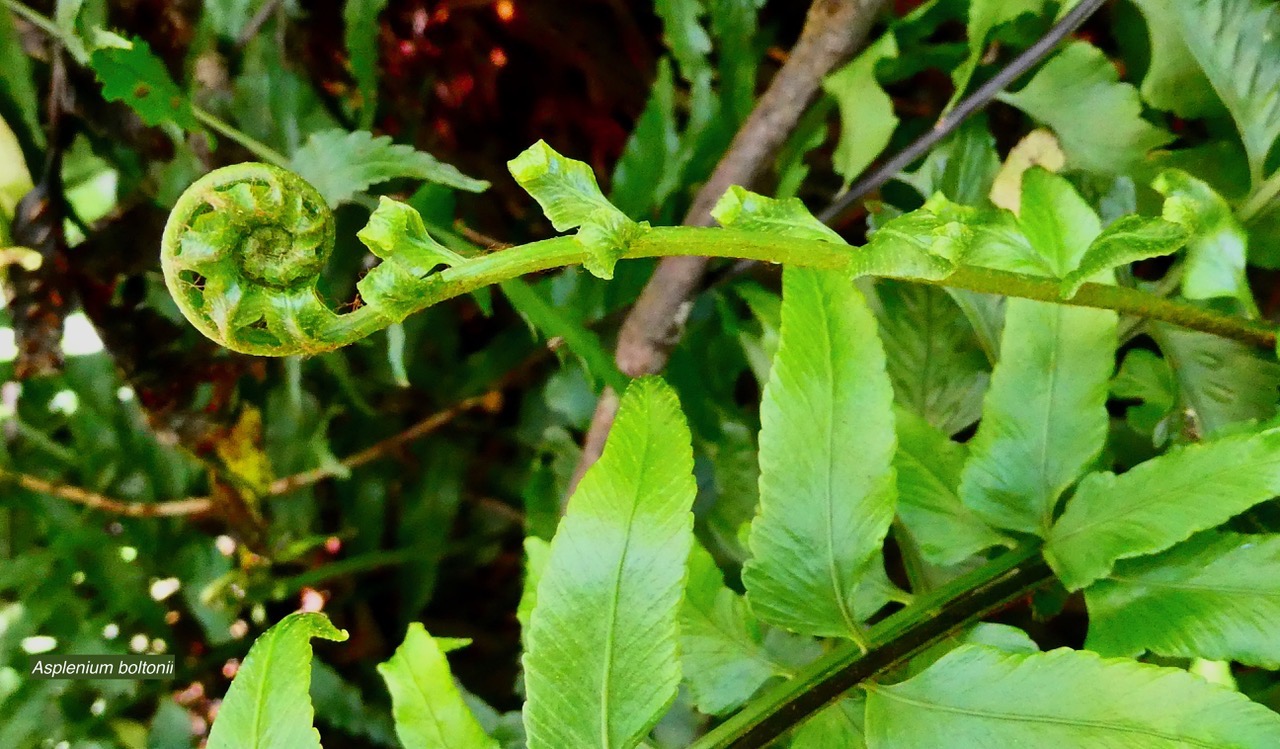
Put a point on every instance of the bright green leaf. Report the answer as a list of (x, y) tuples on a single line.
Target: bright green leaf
[(570, 198), (138, 78), (360, 25), (822, 516), (1237, 43), (927, 243), (1218, 247), (1126, 240), (1075, 91), (602, 665), (340, 164), (867, 120), (425, 703), (1161, 502), (721, 644), (978, 696), (929, 466), (268, 705), (1044, 419), (395, 232), (536, 552), (742, 209), (1216, 596), (1058, 223)]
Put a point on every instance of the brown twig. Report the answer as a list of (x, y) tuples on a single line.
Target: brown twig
[(833, 30), (489, 402), (192, 506)]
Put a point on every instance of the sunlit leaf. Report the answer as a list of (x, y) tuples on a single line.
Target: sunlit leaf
[(601, 664), (1216, 596), (822, 517), (1161, 502), (268, 705), (425, 702)]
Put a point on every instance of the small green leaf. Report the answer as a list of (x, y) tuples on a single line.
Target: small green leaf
[(601, 666), (1237, 43), (138, 78), (570, 198), (929, 466), (340, 164), (1161, 502), (1126, 240), (963, 167), (1075, 91), (740, 208), (360, 27), (427, 707), (1216, 596), (721, 644), (978, 697), (1218, 247), (395, 232), (822, 516), (1059, 224), (928, 243), (867, 120), (268, 705)]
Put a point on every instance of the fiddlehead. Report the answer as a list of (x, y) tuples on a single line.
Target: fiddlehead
[(241, 254), (245, 246)]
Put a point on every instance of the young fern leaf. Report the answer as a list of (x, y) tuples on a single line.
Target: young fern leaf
[(567, 191), (428, 708), (268, 705), (245, 246), (601, 662)]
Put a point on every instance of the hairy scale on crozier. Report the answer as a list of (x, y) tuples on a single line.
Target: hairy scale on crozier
[(242, 251)]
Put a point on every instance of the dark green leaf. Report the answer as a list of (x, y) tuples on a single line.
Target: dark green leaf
[(360, 25)]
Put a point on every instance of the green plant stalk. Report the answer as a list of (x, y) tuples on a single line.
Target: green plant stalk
[(893, 641), (772, 248), (335, 331)]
